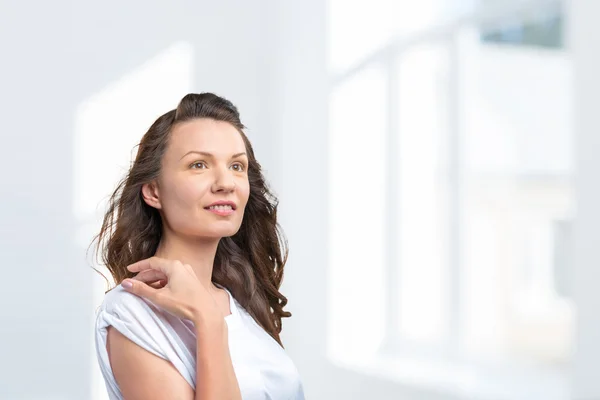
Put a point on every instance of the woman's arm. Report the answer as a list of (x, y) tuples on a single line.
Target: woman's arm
[(215, 376), (182, 295), (142, 375)]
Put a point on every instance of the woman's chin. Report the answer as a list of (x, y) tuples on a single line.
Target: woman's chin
[(221, 233)]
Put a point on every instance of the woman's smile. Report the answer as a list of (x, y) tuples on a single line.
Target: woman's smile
[(221, 210)]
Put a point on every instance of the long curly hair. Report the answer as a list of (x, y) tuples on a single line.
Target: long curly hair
[(250, 263)]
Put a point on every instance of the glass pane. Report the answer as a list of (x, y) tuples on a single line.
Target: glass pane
[(518, 200), (540, 28), (357, 215), (423, 192), (359, 29)]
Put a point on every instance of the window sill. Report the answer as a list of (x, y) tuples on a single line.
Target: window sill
[(463, 380)]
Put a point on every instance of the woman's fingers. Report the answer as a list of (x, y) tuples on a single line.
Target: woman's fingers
[(139, 288), (159, 284), (149, 276), (171, 285), (155, 263), (156, 283)]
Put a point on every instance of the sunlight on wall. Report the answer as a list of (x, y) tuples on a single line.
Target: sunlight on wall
[(108, 126)]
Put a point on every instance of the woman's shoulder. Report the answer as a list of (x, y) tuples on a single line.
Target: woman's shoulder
[(135, 311), (118, 299), (120, 304), (141, 322)]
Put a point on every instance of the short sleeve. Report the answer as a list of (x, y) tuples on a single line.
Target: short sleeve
[(144, 324)]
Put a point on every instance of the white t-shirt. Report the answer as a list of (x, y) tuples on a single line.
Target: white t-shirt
[(263, 369)]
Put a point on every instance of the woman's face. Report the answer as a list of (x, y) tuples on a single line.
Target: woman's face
[(205, 162)]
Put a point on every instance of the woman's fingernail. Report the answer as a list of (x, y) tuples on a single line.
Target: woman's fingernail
[(127, 284)]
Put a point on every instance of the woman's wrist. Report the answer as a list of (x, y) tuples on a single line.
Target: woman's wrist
[(212, 323)]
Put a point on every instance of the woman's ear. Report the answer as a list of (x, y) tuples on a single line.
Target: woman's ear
[(150, 194)]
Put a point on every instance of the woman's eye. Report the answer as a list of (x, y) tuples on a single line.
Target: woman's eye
[(197, 163), (240, 167)]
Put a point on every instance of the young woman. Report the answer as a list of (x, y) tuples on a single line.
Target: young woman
[(192, 240)]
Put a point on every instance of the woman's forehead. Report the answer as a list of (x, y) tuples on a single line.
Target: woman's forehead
[(204, 135)]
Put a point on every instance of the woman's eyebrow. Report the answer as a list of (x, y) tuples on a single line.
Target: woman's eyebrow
[(209, 155)]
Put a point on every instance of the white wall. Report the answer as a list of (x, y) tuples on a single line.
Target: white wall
[(585, 43), (56, 56), (45, 297)]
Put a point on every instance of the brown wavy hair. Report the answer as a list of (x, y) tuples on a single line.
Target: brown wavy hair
[(250, 263)]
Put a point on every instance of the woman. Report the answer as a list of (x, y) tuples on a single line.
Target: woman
[(191, 235)]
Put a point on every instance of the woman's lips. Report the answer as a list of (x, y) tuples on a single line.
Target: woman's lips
[(223, 212)]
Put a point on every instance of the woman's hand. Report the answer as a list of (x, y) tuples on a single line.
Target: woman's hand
[(173, 286), (151, 277)]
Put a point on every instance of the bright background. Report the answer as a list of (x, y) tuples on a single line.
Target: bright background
[(436, 163)]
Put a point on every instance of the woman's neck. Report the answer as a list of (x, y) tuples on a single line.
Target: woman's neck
[(199, 253)]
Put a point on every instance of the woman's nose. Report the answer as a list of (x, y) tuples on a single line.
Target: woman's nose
[(224, 181)]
